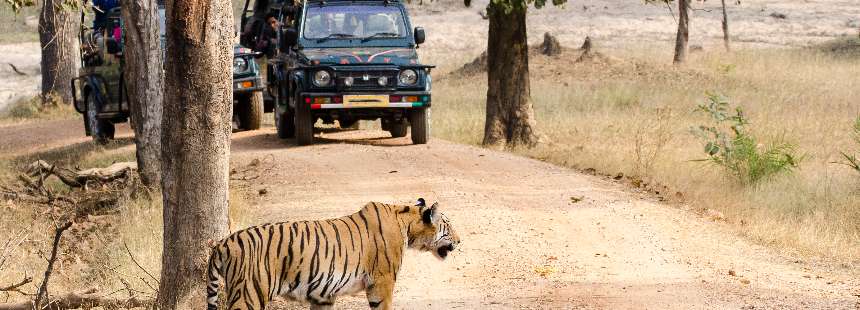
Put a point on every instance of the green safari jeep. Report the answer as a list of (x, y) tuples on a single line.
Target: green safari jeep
[(99, 91)]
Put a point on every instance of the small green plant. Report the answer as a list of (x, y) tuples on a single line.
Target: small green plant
[(739, 152), (851, 160)]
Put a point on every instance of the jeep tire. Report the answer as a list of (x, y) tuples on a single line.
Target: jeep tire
[(285, 124), (250, 110), (101, 130), (304, 122), (349, 124), (419, 120), (399, 129)]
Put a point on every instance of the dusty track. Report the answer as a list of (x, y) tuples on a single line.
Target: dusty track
[(525, 243)]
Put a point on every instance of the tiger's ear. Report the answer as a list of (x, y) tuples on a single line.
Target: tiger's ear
[(421, 202), (431, 215)]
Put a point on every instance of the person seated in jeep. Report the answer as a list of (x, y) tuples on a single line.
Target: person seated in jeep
[(101, 9), (361, 23), (268, 39)]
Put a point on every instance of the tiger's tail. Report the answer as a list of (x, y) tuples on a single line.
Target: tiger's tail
[(214, 275)]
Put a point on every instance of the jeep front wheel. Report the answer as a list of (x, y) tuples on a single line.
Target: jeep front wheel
[(418, 119), (101, 130), (304, 123), (398, 130), (250, 110)]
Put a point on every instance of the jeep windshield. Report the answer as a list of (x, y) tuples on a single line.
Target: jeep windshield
[(365, 23)]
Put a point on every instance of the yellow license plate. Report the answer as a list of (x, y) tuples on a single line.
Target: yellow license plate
[(365, 101)]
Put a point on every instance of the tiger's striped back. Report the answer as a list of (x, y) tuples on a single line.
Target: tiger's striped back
[(316, 261)]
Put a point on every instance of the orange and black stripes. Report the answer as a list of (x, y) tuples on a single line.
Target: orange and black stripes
[(316, 261)]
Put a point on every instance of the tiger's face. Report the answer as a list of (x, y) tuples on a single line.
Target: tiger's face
[(433, 232)]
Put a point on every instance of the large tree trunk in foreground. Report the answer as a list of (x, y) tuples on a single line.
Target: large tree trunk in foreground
[(144, 76), (195, 144), (683, 36), (510, 117), (58, 31), (726, 38)]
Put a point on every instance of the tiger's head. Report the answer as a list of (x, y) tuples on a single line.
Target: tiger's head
[(431, 231)]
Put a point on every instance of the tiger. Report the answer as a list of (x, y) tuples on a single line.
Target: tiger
[(317, 261)]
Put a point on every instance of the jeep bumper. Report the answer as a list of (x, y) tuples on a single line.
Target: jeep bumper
[(399, 100), (247, 84)]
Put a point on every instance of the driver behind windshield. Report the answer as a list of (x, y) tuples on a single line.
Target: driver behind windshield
[(327, 22)]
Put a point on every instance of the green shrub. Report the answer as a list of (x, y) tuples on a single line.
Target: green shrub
[(851, 160), (739, 152)]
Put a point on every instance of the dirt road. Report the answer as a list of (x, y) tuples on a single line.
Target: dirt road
[(526, 243)]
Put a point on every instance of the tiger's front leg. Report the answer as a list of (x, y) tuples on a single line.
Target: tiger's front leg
[(323, 305), (380, 294)]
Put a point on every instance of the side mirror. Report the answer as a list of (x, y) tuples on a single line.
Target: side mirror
[(419, 35), (289, 38)]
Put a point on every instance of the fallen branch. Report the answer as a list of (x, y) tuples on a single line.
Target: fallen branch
[(14, 287), (86, 299), (139, 266), (83, 177), (16, 70), (43, 289)]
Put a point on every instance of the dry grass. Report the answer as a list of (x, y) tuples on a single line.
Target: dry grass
[(633, 115), (33, 109), (104, 255), (15, 28)]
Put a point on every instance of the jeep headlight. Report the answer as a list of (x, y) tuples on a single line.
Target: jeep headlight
[(408, 77), (322, 78), (240, 65)]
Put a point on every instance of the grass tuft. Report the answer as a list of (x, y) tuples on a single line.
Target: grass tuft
[(33, 109)]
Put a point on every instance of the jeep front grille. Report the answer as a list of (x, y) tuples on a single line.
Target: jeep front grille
[(366, 80)]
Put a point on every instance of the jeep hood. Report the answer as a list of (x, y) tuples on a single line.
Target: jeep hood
[(360, 56)]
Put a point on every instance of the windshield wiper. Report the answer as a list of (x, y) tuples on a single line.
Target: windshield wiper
[(380, 35), (335, 36)]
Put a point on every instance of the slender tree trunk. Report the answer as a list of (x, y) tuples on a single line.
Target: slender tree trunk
[(58, 31), (144, 76), (683, 31), (510, 116), (726, 38), (195, 145)]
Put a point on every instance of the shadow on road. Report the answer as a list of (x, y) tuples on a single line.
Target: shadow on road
[(267, 140), (71, 155)]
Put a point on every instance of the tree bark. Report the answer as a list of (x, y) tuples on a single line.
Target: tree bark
[(195, 141), (683, 36), (58, 31), (144, 76), (510, 118), (726, 38)]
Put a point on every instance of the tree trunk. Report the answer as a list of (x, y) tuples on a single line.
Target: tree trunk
[(726, 40), (510, 116), (683, 31), (196, 145), (144, 76), (58, 31)]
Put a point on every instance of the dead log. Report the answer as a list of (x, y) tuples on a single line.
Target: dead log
[(86, 299), (83, 177)]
